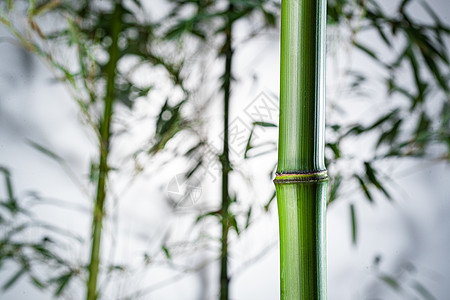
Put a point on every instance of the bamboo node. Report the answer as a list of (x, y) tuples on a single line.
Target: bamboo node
[(293, 177)]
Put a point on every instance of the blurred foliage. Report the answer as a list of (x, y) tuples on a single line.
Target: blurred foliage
[(212, 23), (100, 49), (412, 57), (403, 282), (31, 246), (76, 47)]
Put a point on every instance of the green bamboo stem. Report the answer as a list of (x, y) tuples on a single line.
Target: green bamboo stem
[(105, 135), (225, 160), (301, 180)]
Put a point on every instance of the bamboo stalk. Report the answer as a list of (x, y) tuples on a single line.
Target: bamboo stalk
[(105, 135), (225, 160), (301, 179)]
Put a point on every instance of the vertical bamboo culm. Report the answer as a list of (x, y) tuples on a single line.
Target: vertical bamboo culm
[(225, 157), (104, 145), (301, 179)]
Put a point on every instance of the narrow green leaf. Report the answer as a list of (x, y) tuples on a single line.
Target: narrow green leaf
[(45, 151), (335, 148), (364, 188), (249, 214), (37, 282), (216, 213), (14, 278), (382, 34), (166, 251), (233, 223), (62, 282), (266, 207), (390, 116), (353, 223), (434, 69), (390, 281), (371, 175), (366, 50), (249, 146), (424, 292), (265, 124), (8, 184), (389, 136)]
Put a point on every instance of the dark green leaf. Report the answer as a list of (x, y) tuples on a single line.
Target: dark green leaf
[(249, 214), (265, 124), (266, 207), (62, 282), (366, 50), (335, 148), (233, 223), (389, 136), (390, 281), (390, 116), (166, 251), (8, 184), (364, 188), (372, 177), (216, 213), (14, 278), (353, 223), (37, 283)]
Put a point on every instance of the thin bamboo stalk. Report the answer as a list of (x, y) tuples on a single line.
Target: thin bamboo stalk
[(225, 160), (301, 179), (105, 134)]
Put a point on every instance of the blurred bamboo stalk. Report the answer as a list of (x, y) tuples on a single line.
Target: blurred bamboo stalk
[(301, 179), (104, 147)]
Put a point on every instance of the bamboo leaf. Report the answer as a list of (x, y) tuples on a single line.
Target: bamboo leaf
[(265, 124), (383, 119), (266, 207), (353, 223), (382, 34), (62, 282), (390, 281), (364, 188), (249, 214), (216, 213), (389, 136), (37, 283), (424, 292), (11, 204), (166, 252), (233, 223), (8, 184), (366, 50), (45, 151), (372, 177), (335, 148), (11, 281), (249, 146)]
